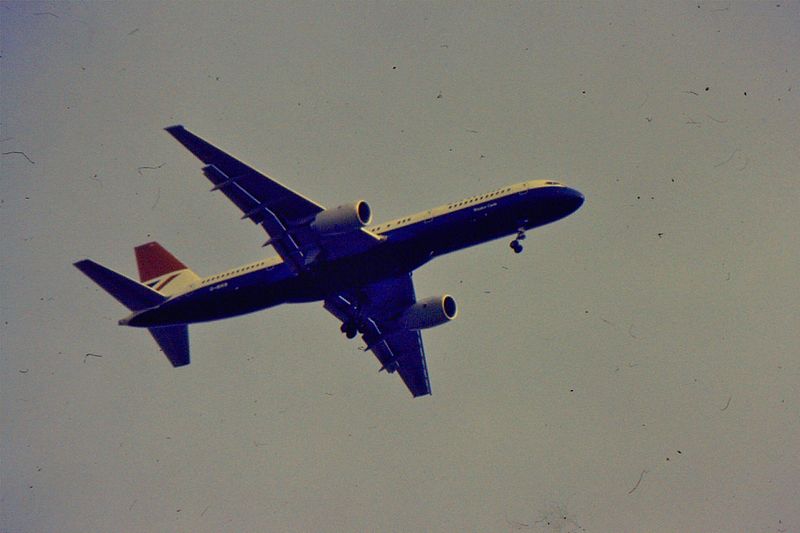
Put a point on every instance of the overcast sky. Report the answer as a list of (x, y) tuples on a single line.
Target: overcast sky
[(636, 369)]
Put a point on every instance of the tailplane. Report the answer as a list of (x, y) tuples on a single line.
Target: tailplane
[(173, 340), (128, 292), (162, 271)]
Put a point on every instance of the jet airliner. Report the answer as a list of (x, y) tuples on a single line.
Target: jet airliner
[(361, 272)]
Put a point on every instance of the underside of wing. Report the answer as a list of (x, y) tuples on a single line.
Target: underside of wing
[(374, 310), (260, 198), (405, 351), (286, 216), (254, 188)]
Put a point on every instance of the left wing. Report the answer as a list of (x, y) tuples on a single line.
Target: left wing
[(373, 309), (284, 214)]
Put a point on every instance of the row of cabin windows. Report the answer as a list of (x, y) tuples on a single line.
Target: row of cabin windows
[(238, 271), (451, 206), (389, 224), (479, 198)]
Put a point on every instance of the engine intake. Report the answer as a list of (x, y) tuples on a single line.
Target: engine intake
[(428, 313), (343, 219)]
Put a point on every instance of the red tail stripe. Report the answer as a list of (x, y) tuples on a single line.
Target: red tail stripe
[(164, 283), (154, 261)]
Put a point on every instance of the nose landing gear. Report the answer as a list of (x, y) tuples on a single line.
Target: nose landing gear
[(515, 244)]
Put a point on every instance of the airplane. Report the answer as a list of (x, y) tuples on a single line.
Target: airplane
[(361, 272)]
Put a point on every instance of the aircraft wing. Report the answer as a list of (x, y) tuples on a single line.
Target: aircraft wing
[(284, 214), (396, 350)]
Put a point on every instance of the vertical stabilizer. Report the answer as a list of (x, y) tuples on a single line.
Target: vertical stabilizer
[(162, 271)]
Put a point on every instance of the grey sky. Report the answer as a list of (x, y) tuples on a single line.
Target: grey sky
[(636, 369)]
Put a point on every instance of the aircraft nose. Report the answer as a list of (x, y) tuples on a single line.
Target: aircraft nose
[(574, 199)]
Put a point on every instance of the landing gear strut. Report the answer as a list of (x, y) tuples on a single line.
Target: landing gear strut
[(515, 244)]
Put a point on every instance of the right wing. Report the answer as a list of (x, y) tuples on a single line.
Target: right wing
[(373, 308), (285, 215)]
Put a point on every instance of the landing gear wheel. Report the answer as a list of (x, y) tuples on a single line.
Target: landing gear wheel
[(515, 244), (350, 330)]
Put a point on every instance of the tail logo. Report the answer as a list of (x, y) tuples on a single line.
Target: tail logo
[(158, 284)]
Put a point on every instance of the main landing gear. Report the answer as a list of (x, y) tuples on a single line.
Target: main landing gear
[(350, 330), (515, 244)]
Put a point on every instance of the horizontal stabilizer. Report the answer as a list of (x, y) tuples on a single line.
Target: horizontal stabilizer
[(128, 292), (174, 342)]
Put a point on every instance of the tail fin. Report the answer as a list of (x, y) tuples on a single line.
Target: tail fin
[(162, 271), (128, 292)]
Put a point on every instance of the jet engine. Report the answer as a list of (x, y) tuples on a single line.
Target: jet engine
[(343, 219), (429, 312)]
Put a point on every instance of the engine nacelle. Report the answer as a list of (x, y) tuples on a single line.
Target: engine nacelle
[(429, 312), (343, 219)]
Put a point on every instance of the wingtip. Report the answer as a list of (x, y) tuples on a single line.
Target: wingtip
[(174, 127)]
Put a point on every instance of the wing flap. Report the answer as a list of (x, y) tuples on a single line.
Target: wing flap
[(405, 352), (373, 309), (284, 214), (252, 187)]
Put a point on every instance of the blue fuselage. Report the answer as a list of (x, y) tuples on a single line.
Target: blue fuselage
[(405, 247)]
